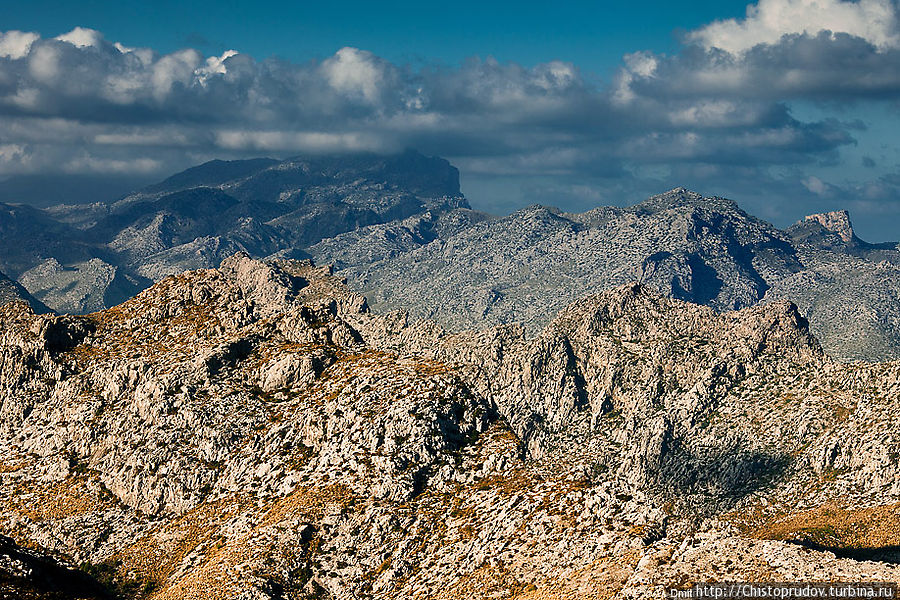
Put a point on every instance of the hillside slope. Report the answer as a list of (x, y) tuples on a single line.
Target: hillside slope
[(11, 291), (79, 259), (527, 266), (255, 431)]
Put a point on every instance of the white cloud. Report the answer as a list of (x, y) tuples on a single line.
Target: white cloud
[(637, 65), (178, 67), (555, 75), (110, 105), (24, 97), (91, 164), (139, 139), (43, 64), (145, 55), (815, 185), (355, 72), (123, 88), (301, 141), (712, 113), (16, 44), (82, 37), (769, 20), (215, 65), (12, 153)]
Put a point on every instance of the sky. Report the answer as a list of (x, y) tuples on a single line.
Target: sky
[(788, 107)]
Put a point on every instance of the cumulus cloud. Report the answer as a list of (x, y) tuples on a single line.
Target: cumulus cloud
[(106, 97), (833, 50), (356, 73), (816, 186), (770, 20), (16, 44), (82, 37), (718, 110)]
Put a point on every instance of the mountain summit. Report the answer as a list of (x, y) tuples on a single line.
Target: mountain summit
[(706, 250), (836, 222)]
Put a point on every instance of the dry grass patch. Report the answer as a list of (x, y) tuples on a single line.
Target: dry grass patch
[(68, 498), (8, 468), (310, 503), (835, 526), (155, 556)]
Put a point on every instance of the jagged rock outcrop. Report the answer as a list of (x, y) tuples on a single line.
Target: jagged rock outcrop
[(255, 431), (847, 288), (837, 222)]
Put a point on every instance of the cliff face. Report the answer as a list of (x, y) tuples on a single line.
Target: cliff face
[(254, 431), (836, 222)]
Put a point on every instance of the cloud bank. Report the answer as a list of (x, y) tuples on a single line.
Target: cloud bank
[(717, 110)]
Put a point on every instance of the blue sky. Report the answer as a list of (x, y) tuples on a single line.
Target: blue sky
[(787, 106), (593, 34)]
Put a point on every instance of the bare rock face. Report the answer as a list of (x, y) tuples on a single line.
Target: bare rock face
[(527, 266), (81, 287), (837, 222), (254, 431)]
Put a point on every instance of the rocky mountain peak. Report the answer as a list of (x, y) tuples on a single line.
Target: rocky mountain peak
[(270, 288), (637, 312), (681, 197), (837, 221)]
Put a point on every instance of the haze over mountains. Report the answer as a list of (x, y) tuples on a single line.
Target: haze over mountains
[(401, 232)]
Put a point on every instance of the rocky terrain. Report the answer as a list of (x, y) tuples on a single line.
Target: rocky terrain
[(255, 431), (401, 232), (528, 265), (82, 258), (12, 291)]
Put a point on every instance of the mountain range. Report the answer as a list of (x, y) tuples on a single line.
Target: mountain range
[(257, 431), (399, 230), (332, 378)]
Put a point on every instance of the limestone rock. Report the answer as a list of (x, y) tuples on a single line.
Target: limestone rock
[(255, 431)]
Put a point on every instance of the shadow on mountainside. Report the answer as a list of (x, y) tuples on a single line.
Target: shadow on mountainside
[(885, 554), (42, 578), (726, 473)]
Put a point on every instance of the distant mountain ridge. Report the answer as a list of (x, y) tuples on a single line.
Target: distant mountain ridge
[(401, 232), (84, 258), (525, 266)]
